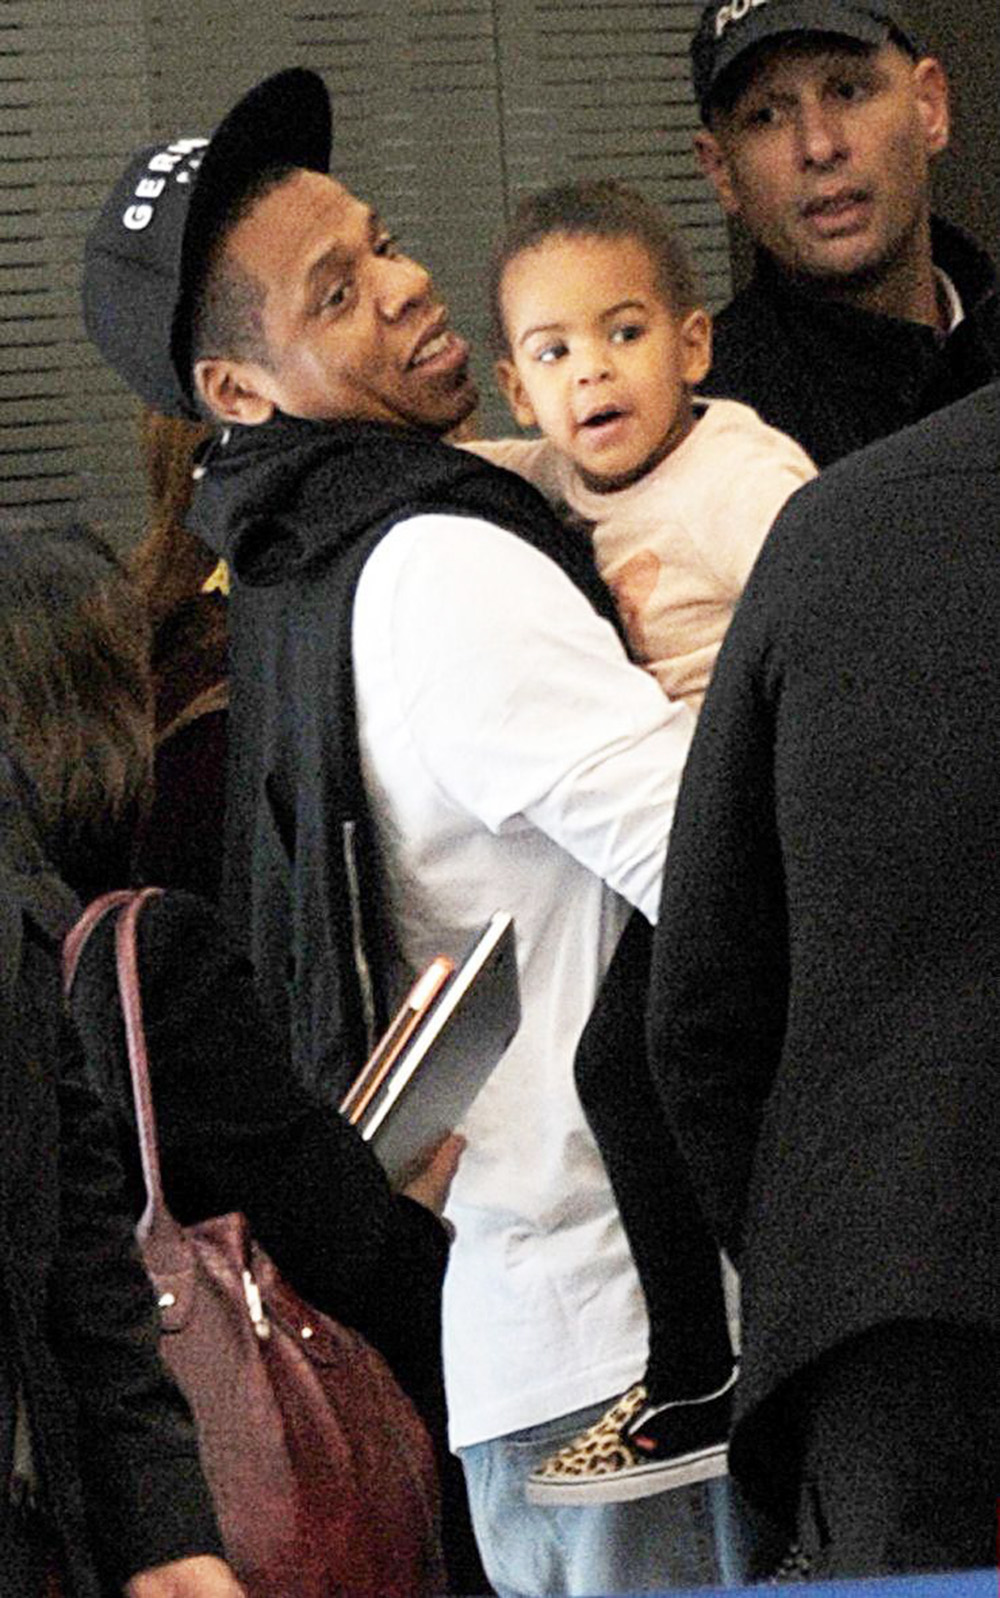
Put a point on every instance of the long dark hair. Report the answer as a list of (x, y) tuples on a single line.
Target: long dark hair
[(170, 564), (75, 699)]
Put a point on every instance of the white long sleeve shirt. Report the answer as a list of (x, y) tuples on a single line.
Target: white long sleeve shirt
[(516, 761)]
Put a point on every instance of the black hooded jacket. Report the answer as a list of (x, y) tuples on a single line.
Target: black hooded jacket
[(296, 507), (837, 378)]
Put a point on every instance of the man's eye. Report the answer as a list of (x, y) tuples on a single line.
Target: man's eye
[(627, 333), (334, 298), (760, 116), (849, 89), (550, 353)]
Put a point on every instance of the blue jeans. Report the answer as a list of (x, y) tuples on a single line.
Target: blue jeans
[(687, 1538)]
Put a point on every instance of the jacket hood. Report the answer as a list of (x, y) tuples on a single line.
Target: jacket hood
[(272, 500)]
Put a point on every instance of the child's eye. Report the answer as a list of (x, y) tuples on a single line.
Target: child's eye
[(549, 353), (388, 245), (627, 333)]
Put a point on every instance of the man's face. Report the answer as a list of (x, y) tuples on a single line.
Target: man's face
[(353, 329), (824, 155)]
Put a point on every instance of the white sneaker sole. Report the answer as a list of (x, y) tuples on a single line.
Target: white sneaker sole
[(638, 1481)]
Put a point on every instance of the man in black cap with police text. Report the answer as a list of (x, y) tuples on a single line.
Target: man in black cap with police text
[(432, 717), (864, 312)]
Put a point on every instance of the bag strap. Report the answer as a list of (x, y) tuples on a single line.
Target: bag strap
[(156, 1222), (155, 1217), (79, 932)]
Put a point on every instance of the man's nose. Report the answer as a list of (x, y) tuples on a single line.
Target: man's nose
[(403, 284), (821, 134)]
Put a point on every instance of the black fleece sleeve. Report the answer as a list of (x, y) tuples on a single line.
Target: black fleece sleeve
[(238, 1132), (146, 1496)]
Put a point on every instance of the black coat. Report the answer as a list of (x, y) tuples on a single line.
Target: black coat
[(837, 378), (825, 1008), (112, 1439)]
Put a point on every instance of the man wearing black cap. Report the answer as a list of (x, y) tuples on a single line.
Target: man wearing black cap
[(864, 312), (432, 718)]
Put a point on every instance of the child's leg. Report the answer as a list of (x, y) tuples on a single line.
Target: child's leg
[(671, 1431), (676, 1257)]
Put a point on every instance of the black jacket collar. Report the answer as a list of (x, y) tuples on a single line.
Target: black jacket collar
[(286, 497)]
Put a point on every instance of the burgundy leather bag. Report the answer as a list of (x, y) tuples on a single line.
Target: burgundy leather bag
[(321, 1470)]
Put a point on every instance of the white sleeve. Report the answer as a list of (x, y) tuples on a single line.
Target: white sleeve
[(518, 700)]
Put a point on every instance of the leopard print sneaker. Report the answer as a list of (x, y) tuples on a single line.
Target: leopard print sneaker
[(603, 1466)]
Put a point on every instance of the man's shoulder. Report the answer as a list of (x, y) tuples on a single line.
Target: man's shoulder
[(756, 356), (755, 360), (921, 475), (743, 335)]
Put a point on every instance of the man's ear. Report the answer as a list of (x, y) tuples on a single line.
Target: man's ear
[(232, 390), (696, 346), (513, 391), (930, 85), (715, 166)]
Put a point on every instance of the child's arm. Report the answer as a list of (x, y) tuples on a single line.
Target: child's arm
[(752, 491)]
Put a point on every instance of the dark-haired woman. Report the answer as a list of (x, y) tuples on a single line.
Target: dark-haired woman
[(236, 1131), (181, 842), (100, 1483)]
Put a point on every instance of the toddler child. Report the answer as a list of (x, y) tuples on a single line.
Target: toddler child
[(601, 338)]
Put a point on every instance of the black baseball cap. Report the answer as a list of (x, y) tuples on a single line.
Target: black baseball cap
[(146, 252), (729, 28)]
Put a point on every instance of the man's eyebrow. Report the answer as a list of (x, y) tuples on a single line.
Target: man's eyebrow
[(338, 255), (334, 258)]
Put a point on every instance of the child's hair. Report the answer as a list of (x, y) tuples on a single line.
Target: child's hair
[(599, 208)]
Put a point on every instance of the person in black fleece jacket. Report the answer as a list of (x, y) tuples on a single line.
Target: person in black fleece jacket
[(237, 1131)]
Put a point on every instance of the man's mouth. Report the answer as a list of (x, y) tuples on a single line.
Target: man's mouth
[(439, 346), (844, 205)]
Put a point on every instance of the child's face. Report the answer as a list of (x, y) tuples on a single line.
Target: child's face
[(598, 361)]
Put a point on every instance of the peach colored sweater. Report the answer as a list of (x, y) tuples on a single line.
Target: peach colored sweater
[(677, 546)]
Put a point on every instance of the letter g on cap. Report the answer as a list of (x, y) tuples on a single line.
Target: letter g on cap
[(137, 217)]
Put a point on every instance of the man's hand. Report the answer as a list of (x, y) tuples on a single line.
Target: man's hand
[(429, 1183), (200, 1576)]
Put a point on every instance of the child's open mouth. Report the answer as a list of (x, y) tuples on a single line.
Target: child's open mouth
[(602, 418), (605, 428)]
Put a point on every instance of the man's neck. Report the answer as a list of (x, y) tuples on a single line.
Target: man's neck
[(905, 287)]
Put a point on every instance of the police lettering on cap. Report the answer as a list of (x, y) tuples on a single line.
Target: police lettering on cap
[(730, 28), (146, 253)]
